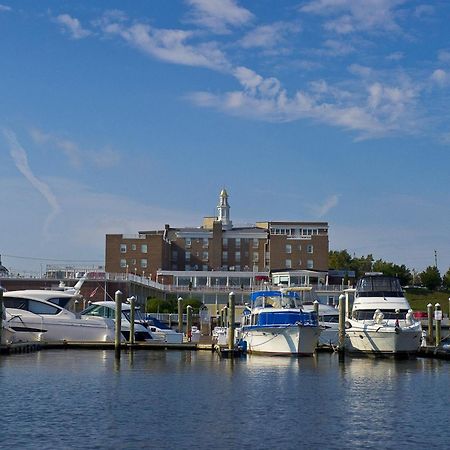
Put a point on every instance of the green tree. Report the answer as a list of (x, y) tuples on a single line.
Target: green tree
[(393, 270), (446, 279), (339, 260), (431, 278)]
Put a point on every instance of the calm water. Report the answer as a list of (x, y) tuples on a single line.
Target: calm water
[(175, 399)]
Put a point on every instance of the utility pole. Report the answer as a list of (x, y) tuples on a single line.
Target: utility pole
[(435, 259)]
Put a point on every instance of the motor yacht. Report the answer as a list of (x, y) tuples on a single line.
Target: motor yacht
[(37, 315), (275, 323), (382, 321), (161, 331)]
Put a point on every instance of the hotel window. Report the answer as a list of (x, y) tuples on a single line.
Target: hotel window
[(205, 256), (237, 268), (238, 242), (188, 256), (123, 263), (174, 254), (123, 248), (205, 242), (188, 242), (224, 256), (187, 267), (237, 256), (144, 248), (255, 243), (288, 264), (310, 264), (144, 263), (225, 242), (310, 249), (133, 262), (288, 248), (255, 256), (205, 267), (133, 247)]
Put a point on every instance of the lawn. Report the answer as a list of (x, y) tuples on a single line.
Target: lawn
[(419, 298)]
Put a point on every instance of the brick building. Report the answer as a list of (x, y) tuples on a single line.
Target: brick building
[(218, 245)]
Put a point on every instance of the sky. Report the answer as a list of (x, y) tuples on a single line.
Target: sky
[(118, 116)]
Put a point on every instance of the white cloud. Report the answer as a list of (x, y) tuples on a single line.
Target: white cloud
[(5, 8), (353, 16), (268, 36), (167, 45), (362, 71), (100, 158), (440, 77), (330, 203), (395, 56), (73, 26), (218, 15), (444, 56), (20, 158)]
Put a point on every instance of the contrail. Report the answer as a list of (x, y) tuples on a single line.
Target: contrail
[(20, 158)]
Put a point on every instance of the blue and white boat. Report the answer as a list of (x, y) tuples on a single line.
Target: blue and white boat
[(275, 324)]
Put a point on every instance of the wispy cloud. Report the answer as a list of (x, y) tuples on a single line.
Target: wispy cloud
[(323, 209), (268, 36), (72, 26), (218, 15), (20, 159), (5, 8), (166, 44), (440, 77), (349, 16), (100, 158)]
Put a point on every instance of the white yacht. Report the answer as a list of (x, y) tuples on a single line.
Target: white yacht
[(382, 321), (39, 315), (328, 322), (161, 331), (275, 324), (107, 310)]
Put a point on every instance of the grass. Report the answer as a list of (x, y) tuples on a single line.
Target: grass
[(419, 298)]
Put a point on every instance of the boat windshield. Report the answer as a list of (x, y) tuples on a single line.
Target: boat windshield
[(368, 314), (275, 299), (138, 316), (379, 286)]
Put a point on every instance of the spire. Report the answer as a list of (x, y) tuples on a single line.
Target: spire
[(223, 209)]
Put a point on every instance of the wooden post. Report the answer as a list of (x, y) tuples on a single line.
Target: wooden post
[(180, 314), (132, 311), (225, 316), (438, 318), (430, 324), (316, 308), (118, 323), (231, 304), (341, 322), (189, 323)]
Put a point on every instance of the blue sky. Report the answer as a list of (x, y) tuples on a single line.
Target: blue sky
[(123, 116)]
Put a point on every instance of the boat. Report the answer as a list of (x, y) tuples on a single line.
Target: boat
[(382, 321), (107, 310), (329, 325), (161, 331), (40, 315), (274, 323)]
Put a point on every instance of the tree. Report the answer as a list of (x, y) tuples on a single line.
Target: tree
[(446, 279), (393, 270), (431, 278)]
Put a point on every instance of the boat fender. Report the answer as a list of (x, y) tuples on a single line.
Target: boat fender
[(347, 325)]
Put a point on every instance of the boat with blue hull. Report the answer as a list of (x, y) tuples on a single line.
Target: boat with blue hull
[(275, 324)]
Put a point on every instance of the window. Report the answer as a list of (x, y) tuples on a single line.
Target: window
[(205, 267), (225, 242), (188, 242), (255, 256), (310, 264), (205, 242), (224, 256), (255, 243), (288, 264), (133, 247), (237, 256), (123, 263), (133, 262), (144, 248), (310, 249), (123, 248), (174, 254), (187, 267), (288, 248), (205, 256), (188, 256), (42, 308), (238, 242), (144, 263)]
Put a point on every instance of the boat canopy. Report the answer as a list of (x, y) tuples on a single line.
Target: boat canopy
[(275, 299), (379, 286)]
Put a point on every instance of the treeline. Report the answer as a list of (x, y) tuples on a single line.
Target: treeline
[(429, 278)]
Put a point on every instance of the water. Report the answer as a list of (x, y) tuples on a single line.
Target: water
[(83, 399)]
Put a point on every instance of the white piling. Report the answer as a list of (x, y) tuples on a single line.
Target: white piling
[(438, 318), (118, 334), (132, 313), (341, 322), (180, 314)]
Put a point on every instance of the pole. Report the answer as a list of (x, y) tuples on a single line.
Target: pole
[(1, 314), (316, 308), (430, 323), (438, 318), (118, 323), (180, 314), (189, 323), (341, 322), (132, 312), (231, 305)]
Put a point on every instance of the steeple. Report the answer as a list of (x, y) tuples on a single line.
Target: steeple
[(223, 209)]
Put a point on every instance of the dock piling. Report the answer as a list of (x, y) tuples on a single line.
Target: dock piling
[(180, 314), (438, 318), (341, 322), (189, 323), (316, 308), (1, 314), (132, 300), (118, 323), (231, 307), (430, 324)]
